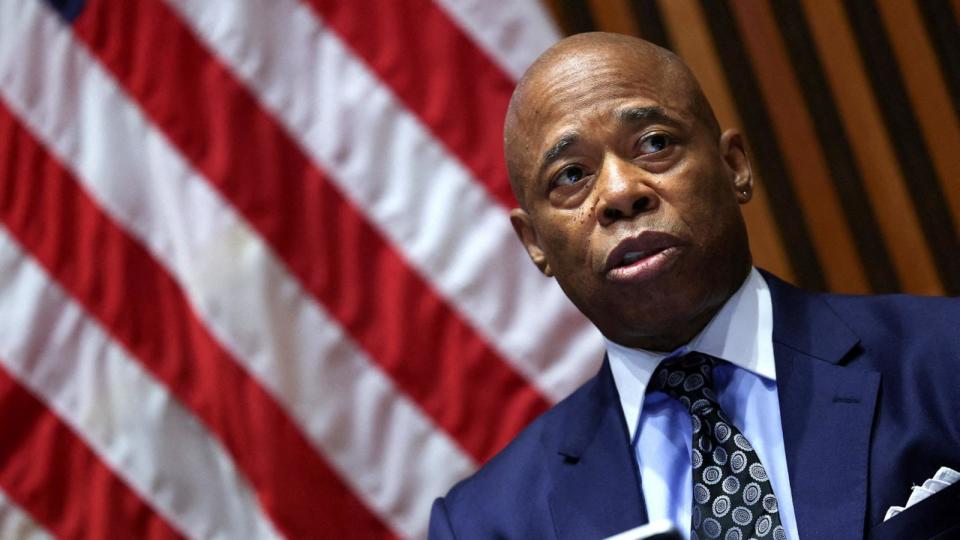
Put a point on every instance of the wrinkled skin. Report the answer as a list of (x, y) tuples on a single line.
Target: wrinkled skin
[(660, 166)]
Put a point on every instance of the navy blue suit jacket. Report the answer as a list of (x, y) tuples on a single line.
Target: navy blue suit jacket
[(869, 393)]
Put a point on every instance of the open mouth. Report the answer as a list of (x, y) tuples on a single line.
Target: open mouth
[(633, 256), (641, 258)]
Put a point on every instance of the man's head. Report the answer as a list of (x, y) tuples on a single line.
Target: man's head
[(629, 193)]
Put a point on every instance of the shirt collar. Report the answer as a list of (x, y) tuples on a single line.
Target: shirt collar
[(740, 333)]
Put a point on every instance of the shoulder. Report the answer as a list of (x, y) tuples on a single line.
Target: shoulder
[(507, 496), (913, 341), (896, 312), (910, 340), (902, 324)]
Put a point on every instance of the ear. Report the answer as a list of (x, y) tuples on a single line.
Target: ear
[(523, 226), (734, 153)]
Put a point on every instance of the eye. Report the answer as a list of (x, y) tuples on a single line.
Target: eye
[(654, 142), (569, 176)]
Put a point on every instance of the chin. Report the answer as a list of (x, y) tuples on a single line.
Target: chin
[(669, 318)]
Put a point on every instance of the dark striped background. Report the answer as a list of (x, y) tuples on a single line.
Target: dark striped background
[(852, 112)]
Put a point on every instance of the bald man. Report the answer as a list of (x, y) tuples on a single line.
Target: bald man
[(729, 403)]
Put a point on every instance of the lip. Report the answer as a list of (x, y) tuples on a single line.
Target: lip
[(660, 250)]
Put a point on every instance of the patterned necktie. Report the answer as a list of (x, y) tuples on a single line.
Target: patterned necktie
[(732, 495)]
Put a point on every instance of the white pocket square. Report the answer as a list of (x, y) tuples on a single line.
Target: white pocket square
[(944, 477)]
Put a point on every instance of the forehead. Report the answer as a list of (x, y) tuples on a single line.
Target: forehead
[(575, 92)]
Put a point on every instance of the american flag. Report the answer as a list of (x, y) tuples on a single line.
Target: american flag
[(257, 277)]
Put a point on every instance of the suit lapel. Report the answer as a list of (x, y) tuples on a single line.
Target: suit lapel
[(596, 489), (827, 412)]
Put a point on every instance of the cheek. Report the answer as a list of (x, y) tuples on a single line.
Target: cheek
[(567, 245), (705, 203)]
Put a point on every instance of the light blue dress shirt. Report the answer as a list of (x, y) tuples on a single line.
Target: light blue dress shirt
[(742, 334)]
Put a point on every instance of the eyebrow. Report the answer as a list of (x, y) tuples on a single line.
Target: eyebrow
[(565, 141), (634, 115)]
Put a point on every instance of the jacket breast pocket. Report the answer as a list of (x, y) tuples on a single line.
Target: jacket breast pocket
[(936, 517)]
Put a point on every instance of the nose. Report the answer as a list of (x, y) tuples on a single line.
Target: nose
[(624, 191)]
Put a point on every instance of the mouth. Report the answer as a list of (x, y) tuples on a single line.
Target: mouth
[(642, 257)]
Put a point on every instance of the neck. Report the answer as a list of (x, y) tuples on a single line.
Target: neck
[(668, 336), (680, 334)]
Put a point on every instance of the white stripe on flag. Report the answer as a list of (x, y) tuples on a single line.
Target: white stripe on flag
[(512, 32), (382, 157), (383, 446), (17, 524), (127, 418)]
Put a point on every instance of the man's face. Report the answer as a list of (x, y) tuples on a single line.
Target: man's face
[(630, 196)]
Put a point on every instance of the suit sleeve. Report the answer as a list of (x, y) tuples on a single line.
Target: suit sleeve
[(440, 528)]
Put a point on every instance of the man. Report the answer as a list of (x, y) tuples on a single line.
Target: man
[(730, 403)]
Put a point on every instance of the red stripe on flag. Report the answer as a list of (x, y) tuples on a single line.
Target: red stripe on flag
[(142, 307), (444, 365), (438, 72), (49, 471)]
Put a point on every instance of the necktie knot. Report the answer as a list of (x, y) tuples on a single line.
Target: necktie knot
[(688, 379)]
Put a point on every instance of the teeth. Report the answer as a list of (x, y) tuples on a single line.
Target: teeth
[(633, 257)]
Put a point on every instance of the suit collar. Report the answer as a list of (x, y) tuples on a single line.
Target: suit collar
[(805, 322), (826, 410), (596, 485)]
